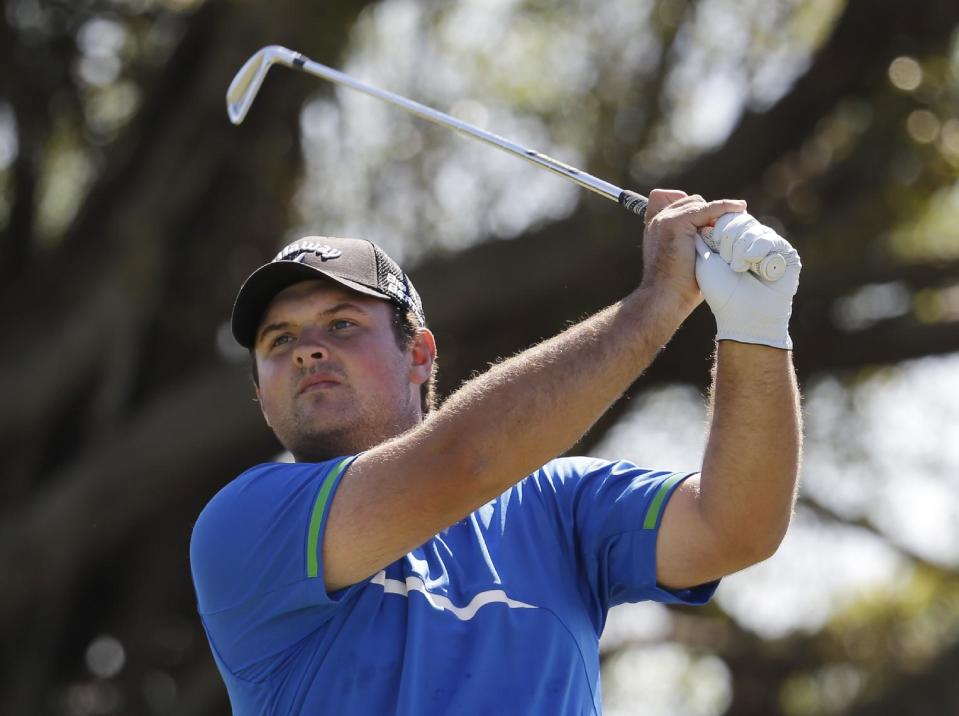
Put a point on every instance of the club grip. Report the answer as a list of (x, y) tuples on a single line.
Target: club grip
[(769, 268), (634, 202)]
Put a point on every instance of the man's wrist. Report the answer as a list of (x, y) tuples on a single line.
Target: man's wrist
[(757, 342), (666, 300), (659, 309), (783, 342), (774, 336)]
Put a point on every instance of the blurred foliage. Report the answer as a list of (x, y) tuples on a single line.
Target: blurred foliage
[(130, 210), (873, 646)]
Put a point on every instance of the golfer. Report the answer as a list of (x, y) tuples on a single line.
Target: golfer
[(423, 561)]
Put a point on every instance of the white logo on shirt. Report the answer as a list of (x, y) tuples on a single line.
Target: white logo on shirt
[(438, 601)]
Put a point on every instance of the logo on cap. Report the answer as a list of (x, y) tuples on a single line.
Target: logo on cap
[(298, 249)]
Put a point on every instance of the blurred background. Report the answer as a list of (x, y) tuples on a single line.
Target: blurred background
[(130, 211)]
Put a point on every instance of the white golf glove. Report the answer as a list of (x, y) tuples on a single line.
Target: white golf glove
[(747, 309)]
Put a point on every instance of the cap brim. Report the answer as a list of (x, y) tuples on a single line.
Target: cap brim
[(267, 281)]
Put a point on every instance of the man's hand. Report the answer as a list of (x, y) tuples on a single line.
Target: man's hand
[(669, 252), (747, 308)]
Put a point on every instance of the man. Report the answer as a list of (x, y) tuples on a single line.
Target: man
[(448, 564)]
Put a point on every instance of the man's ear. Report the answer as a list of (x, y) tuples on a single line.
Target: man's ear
[(259, 401), (422, 356)]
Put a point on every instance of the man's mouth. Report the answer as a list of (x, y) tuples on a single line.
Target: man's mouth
[(317, 382)]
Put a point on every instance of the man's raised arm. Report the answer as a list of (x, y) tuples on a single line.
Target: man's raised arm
[(736, 512), (523, 412)]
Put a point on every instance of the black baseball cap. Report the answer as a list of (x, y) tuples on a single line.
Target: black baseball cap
[(358, 265)]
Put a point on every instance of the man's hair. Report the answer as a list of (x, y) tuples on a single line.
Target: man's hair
[(405, 325)]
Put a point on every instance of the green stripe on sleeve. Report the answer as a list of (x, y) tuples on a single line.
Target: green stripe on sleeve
[(656, 506), (319, 507)]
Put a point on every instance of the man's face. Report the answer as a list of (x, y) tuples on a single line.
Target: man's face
[(332, 378)]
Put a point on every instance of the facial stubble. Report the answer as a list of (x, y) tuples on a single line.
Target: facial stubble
[(323, 425)]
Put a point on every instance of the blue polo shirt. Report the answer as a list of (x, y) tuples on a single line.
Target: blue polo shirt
[(500, 613)]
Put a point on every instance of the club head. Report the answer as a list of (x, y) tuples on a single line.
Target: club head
[(247, 82)]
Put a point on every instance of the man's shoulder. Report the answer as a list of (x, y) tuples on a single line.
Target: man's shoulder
[(251, 478), (261, 484), (269, 505)]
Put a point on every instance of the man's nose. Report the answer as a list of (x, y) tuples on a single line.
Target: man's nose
[(311, 346)]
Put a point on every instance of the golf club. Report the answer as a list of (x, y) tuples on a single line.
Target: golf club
[(247, 82)]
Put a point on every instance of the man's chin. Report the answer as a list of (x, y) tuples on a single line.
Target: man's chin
[(322, 409), (317, 439)]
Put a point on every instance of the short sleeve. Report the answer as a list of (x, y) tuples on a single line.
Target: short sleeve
[(256, 558), (617, 509)]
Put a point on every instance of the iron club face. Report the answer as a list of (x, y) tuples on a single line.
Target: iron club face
[(247, 82)]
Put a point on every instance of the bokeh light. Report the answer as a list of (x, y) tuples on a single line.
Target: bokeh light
[(105, 656), (905, 73)]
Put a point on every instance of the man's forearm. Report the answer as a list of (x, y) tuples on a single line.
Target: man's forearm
[(751, 466), (534, 406)]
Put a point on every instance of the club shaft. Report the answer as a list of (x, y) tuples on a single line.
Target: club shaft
[(588, 181), (248, 80)]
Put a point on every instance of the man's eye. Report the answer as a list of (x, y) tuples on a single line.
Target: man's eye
[(340, 323), (280, 340)]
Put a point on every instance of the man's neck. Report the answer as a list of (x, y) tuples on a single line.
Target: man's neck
[(349, 442)]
